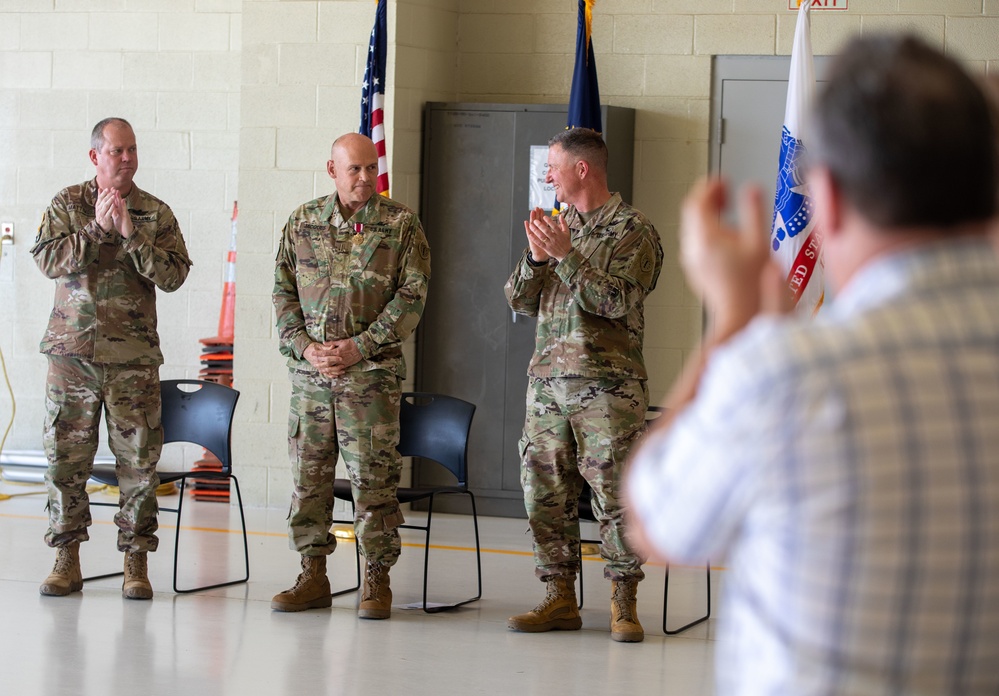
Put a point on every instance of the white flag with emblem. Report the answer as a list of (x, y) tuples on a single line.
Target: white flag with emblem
[(795, 241)]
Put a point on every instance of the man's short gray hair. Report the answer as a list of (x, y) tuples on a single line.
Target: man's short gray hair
[(97, 135)]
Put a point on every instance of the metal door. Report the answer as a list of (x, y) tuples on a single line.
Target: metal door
[(747, 101)]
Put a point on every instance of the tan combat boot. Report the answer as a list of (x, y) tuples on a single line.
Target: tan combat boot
[(557, 612), (65, 577), (310, 591), (376, 595), (136, 583), (624, 616)]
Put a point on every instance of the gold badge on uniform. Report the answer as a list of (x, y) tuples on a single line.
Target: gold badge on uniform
[(358, 233)]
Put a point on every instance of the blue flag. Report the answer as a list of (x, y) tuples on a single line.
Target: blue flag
[(373, 93), (584, 97)]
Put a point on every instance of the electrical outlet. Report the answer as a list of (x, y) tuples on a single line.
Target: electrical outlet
[(6, 232)]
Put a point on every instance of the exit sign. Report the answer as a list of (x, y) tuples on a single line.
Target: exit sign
[(820, 4)]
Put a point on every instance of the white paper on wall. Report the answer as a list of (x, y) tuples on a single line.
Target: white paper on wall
[(542, 195)]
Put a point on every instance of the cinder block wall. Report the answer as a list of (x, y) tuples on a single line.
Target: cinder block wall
[(202, 121), (170, 67)]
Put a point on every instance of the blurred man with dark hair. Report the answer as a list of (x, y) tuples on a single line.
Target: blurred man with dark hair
[(846, 468)]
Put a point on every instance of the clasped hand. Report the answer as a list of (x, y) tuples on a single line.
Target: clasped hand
[(332, 358), (112, 212)]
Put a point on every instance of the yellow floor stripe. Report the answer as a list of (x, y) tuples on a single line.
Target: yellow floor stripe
[(281, 535)]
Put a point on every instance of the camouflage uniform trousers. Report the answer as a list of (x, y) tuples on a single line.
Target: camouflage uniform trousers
[(576, 429), (76, 392), (356, 415)]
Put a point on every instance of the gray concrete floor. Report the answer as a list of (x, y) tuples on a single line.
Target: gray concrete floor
[(228, 641)]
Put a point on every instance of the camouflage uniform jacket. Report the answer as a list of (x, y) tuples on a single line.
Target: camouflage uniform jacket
[(105, 299), (590, 305), (327, 286)]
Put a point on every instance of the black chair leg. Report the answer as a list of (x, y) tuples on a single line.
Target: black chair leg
[(117, 574), (242, 521), (426, 561), (426, 551), (478, 561), (357, 561), (580, 604), (478, 551), (176, 545), (176, 536), (702, 619)]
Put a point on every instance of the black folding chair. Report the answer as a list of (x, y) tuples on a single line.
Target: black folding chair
[(433, 427), (203, 417)]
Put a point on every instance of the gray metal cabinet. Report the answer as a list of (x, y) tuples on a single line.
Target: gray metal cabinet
[(476, 175)]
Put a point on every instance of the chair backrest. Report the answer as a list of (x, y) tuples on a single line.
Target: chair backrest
[(436, 426), (202, 416)]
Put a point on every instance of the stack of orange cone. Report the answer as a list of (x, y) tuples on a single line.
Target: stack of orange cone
[(216, 366)]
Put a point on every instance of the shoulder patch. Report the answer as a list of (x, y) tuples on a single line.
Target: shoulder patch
[(643, 265)]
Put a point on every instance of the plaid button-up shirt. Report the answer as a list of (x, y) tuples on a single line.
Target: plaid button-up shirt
[(846, 470)]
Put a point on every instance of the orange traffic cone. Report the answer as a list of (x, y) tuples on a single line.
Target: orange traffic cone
[(227, 315)]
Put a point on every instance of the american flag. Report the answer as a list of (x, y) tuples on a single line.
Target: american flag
[(373, 93), (795, 239)]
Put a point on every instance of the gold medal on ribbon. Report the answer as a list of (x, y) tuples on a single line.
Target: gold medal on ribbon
[(358, 234)]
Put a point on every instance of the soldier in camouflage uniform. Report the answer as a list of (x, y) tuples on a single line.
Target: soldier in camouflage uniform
[(108, 245), (585, 276), (349, 286)]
